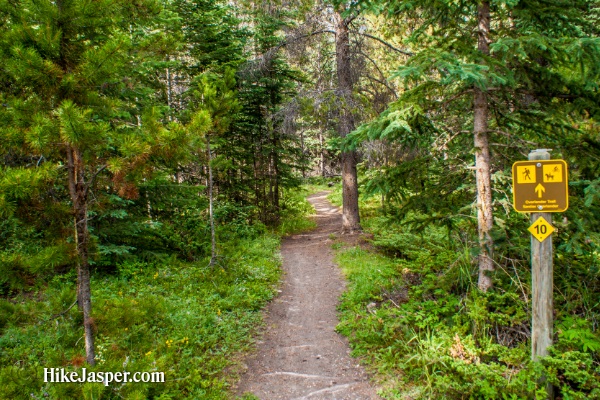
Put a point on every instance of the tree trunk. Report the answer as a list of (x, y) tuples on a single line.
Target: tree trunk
[(350, 214), (170, 92), (275, 176), (213, 239), (303, 148), (78, 191), (275, 192), (322, 154), (485, 218)]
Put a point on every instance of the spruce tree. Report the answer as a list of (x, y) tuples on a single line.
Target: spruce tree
[(523, 68), (266, 86)]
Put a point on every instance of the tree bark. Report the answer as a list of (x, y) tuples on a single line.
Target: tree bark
[(350, 212), (213, 239), (79, 193), (485, 218), (275, 160), (322, 155)]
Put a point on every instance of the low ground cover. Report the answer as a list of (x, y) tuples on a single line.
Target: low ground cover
[(163, 313), (413, 313)]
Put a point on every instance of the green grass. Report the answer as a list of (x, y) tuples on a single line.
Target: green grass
[(188, 320), (372, 280), (416, 320), (193, 322)]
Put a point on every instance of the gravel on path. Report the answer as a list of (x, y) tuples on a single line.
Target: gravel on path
[(300, 355)]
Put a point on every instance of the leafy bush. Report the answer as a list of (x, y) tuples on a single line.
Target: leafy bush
[(185, 319), (294, 212), (413, 313)]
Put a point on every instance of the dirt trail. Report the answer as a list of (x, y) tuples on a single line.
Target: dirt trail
[(300, 355)]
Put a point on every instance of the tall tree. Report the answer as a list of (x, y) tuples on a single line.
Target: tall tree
[(267, 84), (485, 217), (350, 212), (73, 102), (343, 89), (215, 110), (485, 57)]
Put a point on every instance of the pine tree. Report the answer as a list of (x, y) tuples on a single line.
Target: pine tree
[(74, 103), (216, 109)]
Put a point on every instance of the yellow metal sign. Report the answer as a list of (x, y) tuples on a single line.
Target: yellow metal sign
[(541, 229), (540, 186)]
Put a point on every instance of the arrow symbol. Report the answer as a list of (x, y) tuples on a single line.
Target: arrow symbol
[(539, 189)]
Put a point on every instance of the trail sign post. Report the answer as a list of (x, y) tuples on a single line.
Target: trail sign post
[(540, 187), (541, 229)]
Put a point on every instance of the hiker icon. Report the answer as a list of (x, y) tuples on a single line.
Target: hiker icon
[(526, 174)]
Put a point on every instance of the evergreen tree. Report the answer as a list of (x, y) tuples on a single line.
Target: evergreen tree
[(75, 101), (216, 109), (265, 125), (525, 76)]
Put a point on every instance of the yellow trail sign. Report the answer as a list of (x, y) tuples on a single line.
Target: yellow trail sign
[(540, 186), (541, 229)]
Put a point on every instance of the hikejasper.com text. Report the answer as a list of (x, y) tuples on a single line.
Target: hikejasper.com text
[(59, 375)]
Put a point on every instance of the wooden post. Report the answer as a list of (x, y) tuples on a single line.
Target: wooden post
[(542, 275)]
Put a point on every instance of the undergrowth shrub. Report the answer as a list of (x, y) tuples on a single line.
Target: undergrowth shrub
[(157, 304), (188, 320), (413, 313), (294, 212)]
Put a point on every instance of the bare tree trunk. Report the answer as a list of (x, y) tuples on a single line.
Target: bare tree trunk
[(485, 218), (148, 204), (78, 191), (213, 240), (303, 148), (350, 214), (170, 91), (275, 184), (322, 154)]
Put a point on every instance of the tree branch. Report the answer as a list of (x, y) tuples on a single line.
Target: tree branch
[(383, 82), (63, 312), (93, 178), (292, 39), (406, 53)]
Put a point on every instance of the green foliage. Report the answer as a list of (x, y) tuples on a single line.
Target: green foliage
[(574, 373), (540, 79), (167, 219), (415, 316), (181, 318), (295, 210), (578, 333)]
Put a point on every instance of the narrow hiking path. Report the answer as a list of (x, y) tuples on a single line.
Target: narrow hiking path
[(300, 355)]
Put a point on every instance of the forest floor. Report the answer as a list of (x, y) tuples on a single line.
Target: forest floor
[(301, 356)]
